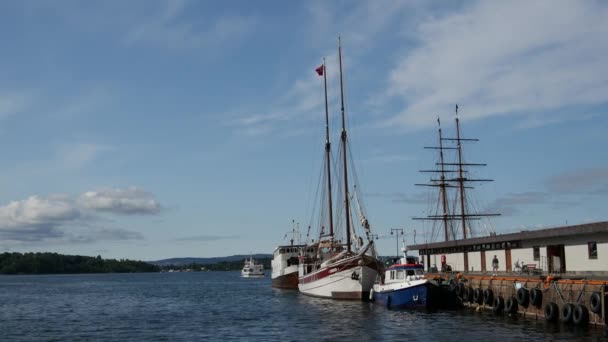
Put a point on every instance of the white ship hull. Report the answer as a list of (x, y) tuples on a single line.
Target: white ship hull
[(351, 278)]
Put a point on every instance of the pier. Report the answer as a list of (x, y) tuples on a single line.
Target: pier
[(569, 300)]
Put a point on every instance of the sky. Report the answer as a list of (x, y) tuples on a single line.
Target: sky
[(157, 129)]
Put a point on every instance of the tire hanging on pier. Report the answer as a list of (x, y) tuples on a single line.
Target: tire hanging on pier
[(551, 312), (511, 305), (498, 305), (595, 303), (580, 316), (536, 297), (478, 296), (468, 294), (488, 296), (460, 289), (523, 297), (567, 310)]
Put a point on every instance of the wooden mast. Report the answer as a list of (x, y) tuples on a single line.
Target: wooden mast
[(461, 185), (343, 137), (328, 157), (444, 201), (461, 181)]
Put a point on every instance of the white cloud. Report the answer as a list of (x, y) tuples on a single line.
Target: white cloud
[(497, 58), (40, 218), (120, 201), (37, 211)]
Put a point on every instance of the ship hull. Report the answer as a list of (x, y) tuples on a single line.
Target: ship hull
[(350, 279), (414, 294), (287, 279)]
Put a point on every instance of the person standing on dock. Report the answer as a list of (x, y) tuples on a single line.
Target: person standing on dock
[(495, 265)]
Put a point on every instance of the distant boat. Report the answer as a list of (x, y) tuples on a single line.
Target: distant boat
[(405, 286), (336, 268), (251, 269)]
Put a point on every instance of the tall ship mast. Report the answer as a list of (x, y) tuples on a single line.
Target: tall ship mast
[(453, 176), (331, 267)]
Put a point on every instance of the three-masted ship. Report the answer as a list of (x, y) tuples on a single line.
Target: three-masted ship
[(455, 216)]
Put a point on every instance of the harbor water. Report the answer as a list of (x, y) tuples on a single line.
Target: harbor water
[(222, 306)]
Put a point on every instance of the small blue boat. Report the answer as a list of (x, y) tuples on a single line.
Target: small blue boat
[(405, 286)]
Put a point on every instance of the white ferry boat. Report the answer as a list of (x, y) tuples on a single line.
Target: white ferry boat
[(251, 269)]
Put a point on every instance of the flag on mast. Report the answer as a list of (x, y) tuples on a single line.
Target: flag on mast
[(320, 69)]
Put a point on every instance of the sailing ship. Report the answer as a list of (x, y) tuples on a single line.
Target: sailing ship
[(455, 216), (339, 269), (251, 269), (285, 261)]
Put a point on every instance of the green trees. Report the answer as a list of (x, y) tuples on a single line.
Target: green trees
[(53, 263)]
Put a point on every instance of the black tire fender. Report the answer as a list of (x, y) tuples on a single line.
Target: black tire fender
[(595, 303), (499, 305), (523, 297), (478, 295), (488, 296), (566, 312), (551, 312), (511, 305), (580, 316), (536, 297)]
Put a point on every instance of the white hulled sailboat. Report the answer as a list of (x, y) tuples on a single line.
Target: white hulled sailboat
[(339, 269)]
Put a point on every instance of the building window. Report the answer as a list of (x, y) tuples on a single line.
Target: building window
[(536, 252), (592, 249)]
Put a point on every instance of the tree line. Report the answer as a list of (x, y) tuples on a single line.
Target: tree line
[(54, 263)]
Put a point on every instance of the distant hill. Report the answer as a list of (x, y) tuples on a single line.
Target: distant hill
[(206, 261)]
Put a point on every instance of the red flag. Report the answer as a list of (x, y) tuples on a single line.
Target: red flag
[(320, 69)]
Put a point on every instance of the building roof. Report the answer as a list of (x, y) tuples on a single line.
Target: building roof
[(565, 231)]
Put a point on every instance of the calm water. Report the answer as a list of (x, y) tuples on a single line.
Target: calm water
[(224, 307)]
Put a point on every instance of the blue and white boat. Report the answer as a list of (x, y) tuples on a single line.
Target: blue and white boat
[(405, 286)]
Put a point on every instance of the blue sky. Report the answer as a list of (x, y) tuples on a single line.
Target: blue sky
[(155, 129)]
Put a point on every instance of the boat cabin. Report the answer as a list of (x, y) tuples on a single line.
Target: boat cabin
[(403, 272)]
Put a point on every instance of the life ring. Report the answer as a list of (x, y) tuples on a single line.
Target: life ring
[(536, 297), (567, 310), (498, 305), (580, 316), (595, 303), (511, 305), (551, 312), (523, 297), (478, 295), (488, 296)]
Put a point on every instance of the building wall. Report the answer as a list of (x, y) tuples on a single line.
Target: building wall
[(474, 261), (456, 260), (577, 258)]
